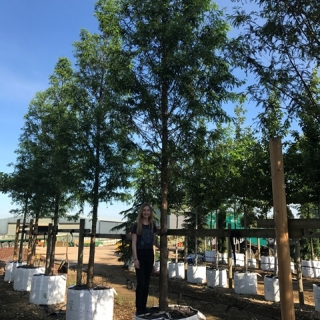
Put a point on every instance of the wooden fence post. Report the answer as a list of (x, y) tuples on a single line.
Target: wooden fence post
[(281, 230)]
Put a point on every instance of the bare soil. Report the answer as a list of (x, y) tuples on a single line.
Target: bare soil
[(214, 303)]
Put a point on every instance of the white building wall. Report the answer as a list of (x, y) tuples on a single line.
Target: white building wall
[(175, 222), (11, 229), (106, 226), (8, 225)]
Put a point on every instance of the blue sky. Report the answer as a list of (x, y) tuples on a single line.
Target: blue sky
[(33, 35)]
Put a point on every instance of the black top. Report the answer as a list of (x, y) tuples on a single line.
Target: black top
[(145, 240)]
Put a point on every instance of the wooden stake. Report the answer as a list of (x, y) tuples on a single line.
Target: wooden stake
[(259, 253), (186, 249), (281, 230), (30, 259), (80, 251), (48, 250), (16, 241), (230, 256), (299, 272)]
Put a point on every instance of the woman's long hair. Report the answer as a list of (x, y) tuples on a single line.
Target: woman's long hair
[(140, 218)]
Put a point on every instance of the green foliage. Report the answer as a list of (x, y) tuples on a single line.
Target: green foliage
[(177, 74), (104, 150), (97, 244), (4, 182), (194, 83), (102, 144), (124, 250), (303, 154), (279, 45), (310, 248), (195, 220), (142, 195), (49, 136), (143, 109)]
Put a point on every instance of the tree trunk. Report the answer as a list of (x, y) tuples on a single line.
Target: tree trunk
[(16, 240), (163, 286), (23, 229), (245, 239), (54, 233), (35, 237), (90, 274), (30, 260)]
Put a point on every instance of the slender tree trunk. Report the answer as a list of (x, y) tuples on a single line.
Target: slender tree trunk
[(245, 239), (186, 250), (35, 236), (90, 274), (217, 242), (30, 261), (312, 249), (163, 283), (49, 244), (177, 238), (54, 233), (196, 243), (25, 211), (311, 239), (16, 240), (163, 286)]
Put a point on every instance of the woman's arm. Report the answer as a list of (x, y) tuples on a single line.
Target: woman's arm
[(155, 237), (156, 241), (157, 244), (134, 250)]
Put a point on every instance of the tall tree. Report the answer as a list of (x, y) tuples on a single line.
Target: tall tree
[(179, 74), (102, 144), (49, 132), (18, 185)]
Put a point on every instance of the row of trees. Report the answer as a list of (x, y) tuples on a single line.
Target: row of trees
[(143, 109)]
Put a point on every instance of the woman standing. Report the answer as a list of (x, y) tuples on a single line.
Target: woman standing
[(143, 239)]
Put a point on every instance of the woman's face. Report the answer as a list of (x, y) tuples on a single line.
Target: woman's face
[(146, 212)]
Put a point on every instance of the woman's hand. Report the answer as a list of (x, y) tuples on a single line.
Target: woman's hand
[(136, 263)]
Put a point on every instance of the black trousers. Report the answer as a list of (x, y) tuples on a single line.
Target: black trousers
[(146, 259)]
